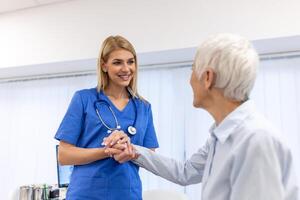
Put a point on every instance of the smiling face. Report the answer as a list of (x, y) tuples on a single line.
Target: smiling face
[(120, 67)]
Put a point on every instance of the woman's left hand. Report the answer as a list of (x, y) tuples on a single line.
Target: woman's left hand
[(116, 137)]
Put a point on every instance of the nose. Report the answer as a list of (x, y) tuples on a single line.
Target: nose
[(125, 67)]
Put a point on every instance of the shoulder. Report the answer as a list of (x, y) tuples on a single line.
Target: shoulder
[(262, 130), (263, 143), (143, 102), (86, 92), (85, 97), (258, 134)]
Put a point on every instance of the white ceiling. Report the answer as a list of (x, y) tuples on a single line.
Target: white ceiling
[(15, 5)]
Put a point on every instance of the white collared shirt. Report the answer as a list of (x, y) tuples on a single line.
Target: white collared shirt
[(243, 159)]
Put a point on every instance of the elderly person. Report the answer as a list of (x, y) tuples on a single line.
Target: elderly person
[(243, 157)]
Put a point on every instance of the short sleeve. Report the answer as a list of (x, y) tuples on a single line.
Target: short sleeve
[(72, 123), (150, 139)]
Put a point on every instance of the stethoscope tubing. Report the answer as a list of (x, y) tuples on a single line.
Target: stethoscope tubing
[(131, 129)]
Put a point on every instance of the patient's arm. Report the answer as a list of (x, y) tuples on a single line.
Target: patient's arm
[(183, 173)]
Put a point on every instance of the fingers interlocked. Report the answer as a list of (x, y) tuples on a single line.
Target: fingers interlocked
[(118, 146)]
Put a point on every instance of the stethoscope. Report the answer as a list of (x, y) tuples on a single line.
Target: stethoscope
[(131, 128)]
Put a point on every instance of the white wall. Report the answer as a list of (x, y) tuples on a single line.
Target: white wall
[(74, 29)]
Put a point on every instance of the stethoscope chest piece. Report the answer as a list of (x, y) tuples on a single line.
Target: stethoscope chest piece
[(131, 130)]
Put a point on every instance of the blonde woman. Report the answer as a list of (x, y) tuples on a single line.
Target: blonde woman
[(93, 114)]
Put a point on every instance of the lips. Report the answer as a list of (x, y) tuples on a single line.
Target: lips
[(125, 77)]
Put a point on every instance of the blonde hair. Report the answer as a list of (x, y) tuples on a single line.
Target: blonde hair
[(109, 45)]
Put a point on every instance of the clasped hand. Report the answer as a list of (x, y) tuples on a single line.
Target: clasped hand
[(118, 146)]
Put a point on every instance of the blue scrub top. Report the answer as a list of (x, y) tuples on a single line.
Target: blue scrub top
[(104, 179)]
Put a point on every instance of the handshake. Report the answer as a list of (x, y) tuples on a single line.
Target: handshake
[(117, 145)]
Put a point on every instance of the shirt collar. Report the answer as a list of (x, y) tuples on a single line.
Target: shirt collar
[(232, 121)]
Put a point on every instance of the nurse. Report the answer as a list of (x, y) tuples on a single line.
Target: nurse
[(93, 114)]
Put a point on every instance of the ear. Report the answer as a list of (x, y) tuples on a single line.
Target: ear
[(101, 63), (104, 68), (209, 77)]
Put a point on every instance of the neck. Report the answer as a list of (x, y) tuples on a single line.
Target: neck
[(116, 92), (220, 107)]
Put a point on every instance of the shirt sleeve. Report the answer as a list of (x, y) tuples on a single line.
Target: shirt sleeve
[(72, 123), (150, 139), (256, 172), (183, 173)]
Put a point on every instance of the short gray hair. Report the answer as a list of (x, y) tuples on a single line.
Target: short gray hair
[(233, 59)]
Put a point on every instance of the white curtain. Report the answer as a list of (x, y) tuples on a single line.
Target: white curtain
[(166, 89), (30, 113)]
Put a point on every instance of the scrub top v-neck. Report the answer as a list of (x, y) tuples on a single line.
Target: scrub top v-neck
[(104, 179), (111, 116), (112, 105)]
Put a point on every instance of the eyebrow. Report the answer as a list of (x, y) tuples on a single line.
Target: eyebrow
[(118, 59)]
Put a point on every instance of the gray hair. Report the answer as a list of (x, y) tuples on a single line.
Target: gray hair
[(233, 59)]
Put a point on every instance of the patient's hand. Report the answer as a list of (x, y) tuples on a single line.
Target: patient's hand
[(127, 154), (121, 152)]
